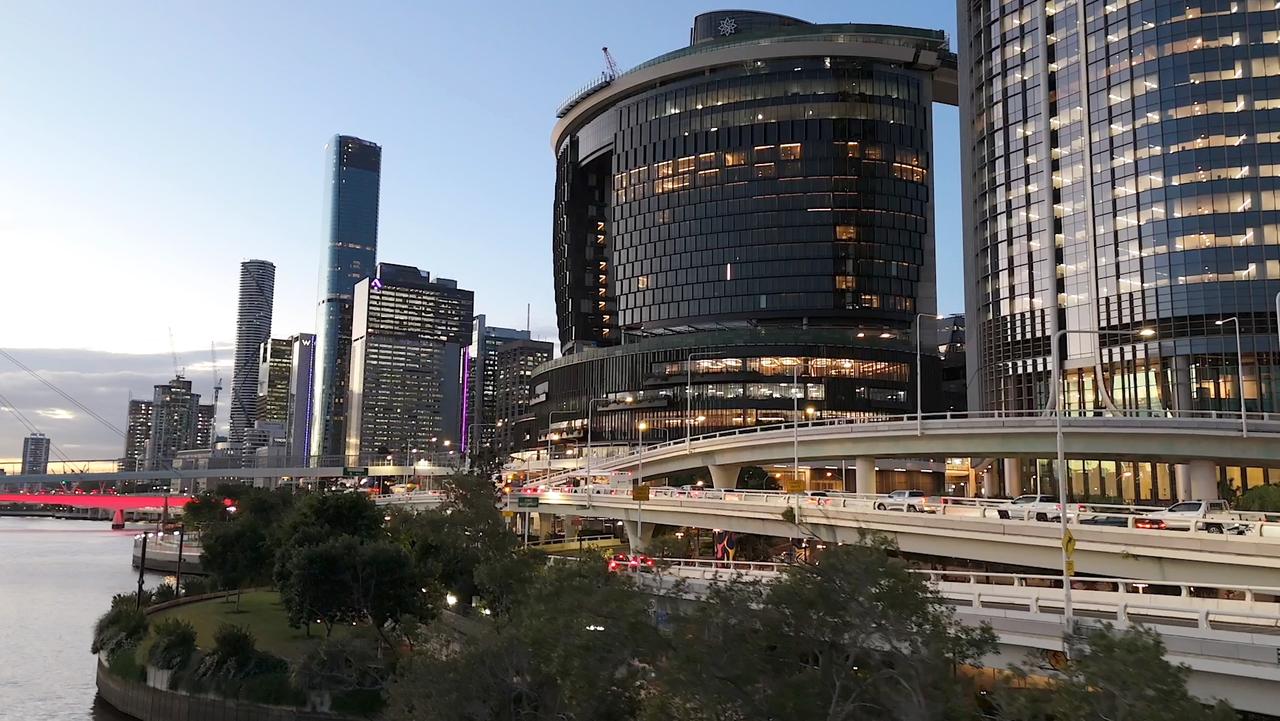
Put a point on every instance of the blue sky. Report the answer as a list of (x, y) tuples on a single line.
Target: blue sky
[(149, 147)]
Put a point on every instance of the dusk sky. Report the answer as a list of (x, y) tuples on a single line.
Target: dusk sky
[(150, 147)]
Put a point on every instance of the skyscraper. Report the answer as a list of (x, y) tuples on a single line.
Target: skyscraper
[(482, 380), (409, 341), (275, 362), (253, 328), (513, 364), (351, 218), (175, 421), (137, 431), (302, 364), (35, 454), (1122, 171), (206, 433)]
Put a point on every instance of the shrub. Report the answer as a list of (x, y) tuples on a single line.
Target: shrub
[(123, 626), (1261, 498), (164, 592), (235, 658), (196, 586), (123, 663), (175, 642), (272, 688)]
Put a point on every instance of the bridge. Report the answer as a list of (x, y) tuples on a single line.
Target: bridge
[(1229, 635), (108, 501), (231, 474)]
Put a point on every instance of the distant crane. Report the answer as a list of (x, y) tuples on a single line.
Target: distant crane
[(173, 350), (217, 388), (610, 65)]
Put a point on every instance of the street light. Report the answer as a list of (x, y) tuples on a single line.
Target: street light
[(1061, 463), (591, 406), (688, 394), (1244, 421), (795, 423), (919, 377)]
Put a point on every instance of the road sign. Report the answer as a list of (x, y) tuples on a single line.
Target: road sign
[(1069, 543), (526, 502), (793, 486), (353, 471), (640, 493)]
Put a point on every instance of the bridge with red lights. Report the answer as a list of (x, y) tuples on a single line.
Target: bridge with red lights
[(109, 501)]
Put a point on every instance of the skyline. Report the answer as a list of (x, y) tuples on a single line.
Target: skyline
[(216, 156)]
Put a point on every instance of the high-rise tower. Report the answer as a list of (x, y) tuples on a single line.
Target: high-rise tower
[(351, 220), (253, 327)]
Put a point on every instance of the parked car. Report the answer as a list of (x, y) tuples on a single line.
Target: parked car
[(911, 501), (1213, 516)]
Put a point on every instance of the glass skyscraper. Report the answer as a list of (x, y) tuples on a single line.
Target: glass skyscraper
[(351, 219)]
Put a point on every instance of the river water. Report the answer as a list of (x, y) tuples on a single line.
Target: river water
[(56, 578)]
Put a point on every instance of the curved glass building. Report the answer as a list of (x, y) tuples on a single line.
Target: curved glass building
[(750, 216), (1123, 165)]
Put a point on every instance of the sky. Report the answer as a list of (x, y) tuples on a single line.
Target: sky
[(152, 146)]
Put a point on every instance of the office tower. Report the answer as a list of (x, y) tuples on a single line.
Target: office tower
[(513, 366), (35, 454), (1120, 164), (302, 363), (253, 328), (175, 417), (482, 380), (409, 340), (753, 216), (275, 362), (351, 220), (137, 431)]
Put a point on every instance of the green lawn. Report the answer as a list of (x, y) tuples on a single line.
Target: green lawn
[(260, 611)]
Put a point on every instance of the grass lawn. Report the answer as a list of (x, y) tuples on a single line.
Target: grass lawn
[(260, 612)]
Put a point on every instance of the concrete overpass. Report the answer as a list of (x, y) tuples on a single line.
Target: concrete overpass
[(1231, 645), (240, 474)]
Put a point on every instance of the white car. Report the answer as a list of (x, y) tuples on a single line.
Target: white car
[(910, 501), (1213, 516), (1031, 507)]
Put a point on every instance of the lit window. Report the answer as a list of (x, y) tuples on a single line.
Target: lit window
[(789, 152)]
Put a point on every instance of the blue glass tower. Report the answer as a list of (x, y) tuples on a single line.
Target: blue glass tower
[(351, 220)]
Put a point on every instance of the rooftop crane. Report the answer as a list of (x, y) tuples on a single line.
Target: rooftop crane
[(610, 65)]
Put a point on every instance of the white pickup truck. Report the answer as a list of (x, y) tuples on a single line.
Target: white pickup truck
[(1035, 507), (1213, 516), (910, 501)]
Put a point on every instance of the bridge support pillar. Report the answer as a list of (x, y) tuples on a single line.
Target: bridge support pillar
[(571, 528), (724, 476), (864, 473), (638, 534), (546, 524), (1196, 480), (990, 484), (1012, 477)]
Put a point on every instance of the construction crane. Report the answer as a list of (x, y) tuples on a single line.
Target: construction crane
[(173, 351), (610, 65), (217, 385)]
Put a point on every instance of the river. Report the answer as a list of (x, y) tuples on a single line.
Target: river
[(56, 578)]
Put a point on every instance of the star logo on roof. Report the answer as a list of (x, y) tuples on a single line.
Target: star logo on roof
[(728, 26)]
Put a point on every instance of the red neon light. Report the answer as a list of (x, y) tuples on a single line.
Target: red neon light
[(127, 503)]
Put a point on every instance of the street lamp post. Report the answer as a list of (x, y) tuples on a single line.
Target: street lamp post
[(919, 376), (795, 424), (1061, 461), (688, 395), (1244, 420)]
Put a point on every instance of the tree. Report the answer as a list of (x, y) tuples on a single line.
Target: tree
[(322, 517), (320, 584), (1110, 675), (237, 554), (857, 636), (384, 586), (1261, 498)]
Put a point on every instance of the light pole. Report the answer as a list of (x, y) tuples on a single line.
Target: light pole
[(795, 424), (919, 376), (591, 406), (688, 395), (1061, 464), (1244, 421)]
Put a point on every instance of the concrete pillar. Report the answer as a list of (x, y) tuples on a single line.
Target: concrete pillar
[(638, 534), (1182, 482), (571, 528), (1204, 480), (990, 484), (724, 476), (546, 524), (864, 470), (1012, 477)]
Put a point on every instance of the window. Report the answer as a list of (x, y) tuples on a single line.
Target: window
[(735, 157), (789, 152)]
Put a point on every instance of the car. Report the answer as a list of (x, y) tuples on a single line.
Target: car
[(911, 501), (1036, 507), (1213, 516), (630, 562)]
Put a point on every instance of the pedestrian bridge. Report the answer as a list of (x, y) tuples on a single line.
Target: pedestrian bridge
[(109, 501), (966, 529), (1228, 635), (1184, 438)]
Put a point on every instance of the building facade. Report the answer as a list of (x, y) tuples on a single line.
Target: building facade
[(35, 454), (482, 380), (137, 432), (513, 365), (351, 219), (1122, 166), (275, 363), (743, 230), (409, 345), (253, 328), (302, 366), (206, 422), (175, 418)]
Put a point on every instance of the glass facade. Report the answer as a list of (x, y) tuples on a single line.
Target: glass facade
[(351, 220), (1123, 163), (742, 186)]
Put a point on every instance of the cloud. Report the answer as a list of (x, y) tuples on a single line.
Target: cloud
[(102, 382)]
